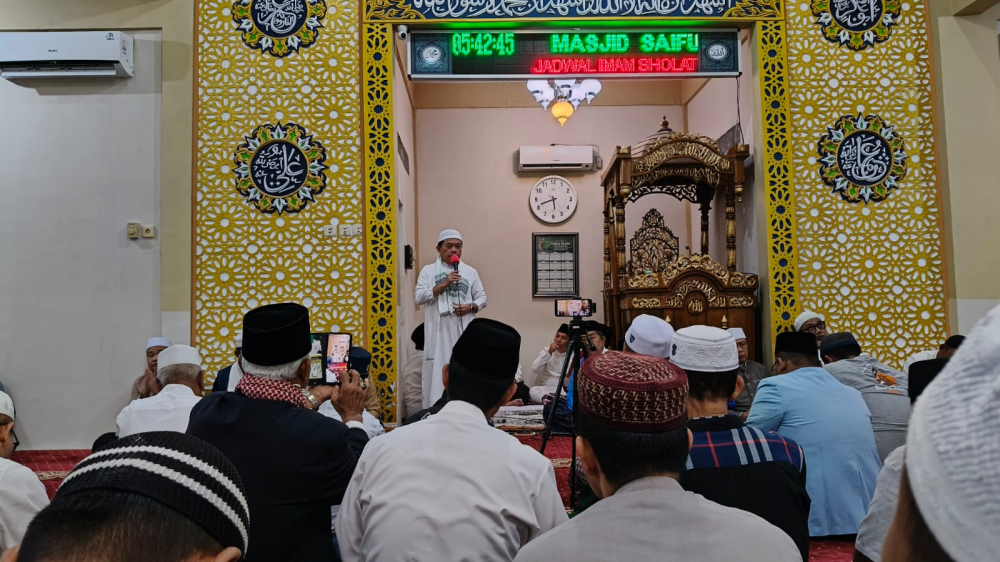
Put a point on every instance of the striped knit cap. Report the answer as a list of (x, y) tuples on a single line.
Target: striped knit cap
[(631, 392), (176, 470)]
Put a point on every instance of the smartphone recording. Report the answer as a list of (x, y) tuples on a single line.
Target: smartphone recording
[(574, 308)]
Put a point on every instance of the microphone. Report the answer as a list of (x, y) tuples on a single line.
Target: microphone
[(455, 260)]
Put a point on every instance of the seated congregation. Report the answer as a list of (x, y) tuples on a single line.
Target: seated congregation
[(689, 450)]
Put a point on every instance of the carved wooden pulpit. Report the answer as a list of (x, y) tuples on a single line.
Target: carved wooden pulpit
[(684, 290)]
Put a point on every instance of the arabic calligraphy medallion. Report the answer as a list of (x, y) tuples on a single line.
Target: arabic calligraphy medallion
[(862, 158), (279, 168), (859, 24), (279, 27)]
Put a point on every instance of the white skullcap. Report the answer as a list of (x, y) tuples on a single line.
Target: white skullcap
[(738, 333), (705, 349), (446, 234), (952, 449), (157, 342), (6, 405), (805, 317), (177, 355), (238, 340), (649, 335)]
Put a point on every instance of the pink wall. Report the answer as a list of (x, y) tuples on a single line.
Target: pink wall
[(712, 112), (468, 180), (407, 317)]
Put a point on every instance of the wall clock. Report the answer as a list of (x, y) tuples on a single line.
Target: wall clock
[(552, 200)]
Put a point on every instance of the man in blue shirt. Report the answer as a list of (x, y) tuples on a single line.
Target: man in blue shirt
[(833, 426)]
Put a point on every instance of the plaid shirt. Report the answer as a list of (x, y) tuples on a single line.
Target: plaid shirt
[(743, 467), (740, 446)]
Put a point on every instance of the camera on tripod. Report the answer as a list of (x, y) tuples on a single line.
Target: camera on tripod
[(575, 308)]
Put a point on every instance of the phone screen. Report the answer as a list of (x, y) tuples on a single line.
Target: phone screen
[(317, 359), (338, 353), (574, 308)]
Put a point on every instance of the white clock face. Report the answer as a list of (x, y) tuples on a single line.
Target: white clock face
[(553, 199), (431, 54)]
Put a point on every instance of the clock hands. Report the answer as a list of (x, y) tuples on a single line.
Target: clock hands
[(553, 201)]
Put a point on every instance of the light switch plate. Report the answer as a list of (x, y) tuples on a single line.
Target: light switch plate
[(132, 230)]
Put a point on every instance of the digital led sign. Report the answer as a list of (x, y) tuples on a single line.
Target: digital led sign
[(481, 54)]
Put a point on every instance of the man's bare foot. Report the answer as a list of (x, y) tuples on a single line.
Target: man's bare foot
[(517, 402)]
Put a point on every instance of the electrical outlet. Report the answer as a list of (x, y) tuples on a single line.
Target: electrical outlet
[(132, 230), (330, 231), (350, 230), (149, 231)]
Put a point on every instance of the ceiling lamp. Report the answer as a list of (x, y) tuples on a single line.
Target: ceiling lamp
[(564, 95), (562, 110)]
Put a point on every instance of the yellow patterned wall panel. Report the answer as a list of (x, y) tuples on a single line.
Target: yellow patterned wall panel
[(873, 268), (244, 257), (380, 210)]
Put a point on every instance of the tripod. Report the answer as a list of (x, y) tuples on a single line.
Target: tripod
[(579, 350)]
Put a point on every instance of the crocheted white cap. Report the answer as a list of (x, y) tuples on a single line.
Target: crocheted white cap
[(705, 349), (952, 448), (805, 317), (6, 405), (649, 335), (446, 234), (178, 355), (157, 342), (738, 333)]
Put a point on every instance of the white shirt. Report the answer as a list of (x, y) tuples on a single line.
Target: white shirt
[(22, 496), (547, 368), (170, 410), (922, 356), (449, 487), (370, 423)]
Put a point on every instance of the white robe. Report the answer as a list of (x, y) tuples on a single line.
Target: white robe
[(170, 410), (441, 327), (22, 496), (235, 374), (448, 488), (547, 368)]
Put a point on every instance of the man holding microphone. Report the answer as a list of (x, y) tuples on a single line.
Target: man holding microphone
[(451, 294)]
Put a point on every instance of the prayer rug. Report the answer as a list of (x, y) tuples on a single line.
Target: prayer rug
[(50, 466), (53, 466), (518, 420)]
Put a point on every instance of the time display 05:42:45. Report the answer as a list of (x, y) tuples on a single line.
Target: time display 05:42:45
[(482, 44)]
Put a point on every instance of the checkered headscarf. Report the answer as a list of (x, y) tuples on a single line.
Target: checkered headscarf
[(176, 470), (631, 392)]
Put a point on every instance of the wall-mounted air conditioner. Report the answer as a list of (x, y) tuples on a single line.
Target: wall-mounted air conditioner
[(558, 157), (65, 54)]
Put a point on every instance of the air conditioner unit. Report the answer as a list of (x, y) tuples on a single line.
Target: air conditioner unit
[(558, 157), (64, 54)]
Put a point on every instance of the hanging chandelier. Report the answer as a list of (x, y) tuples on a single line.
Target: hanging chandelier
[(564, 96)]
